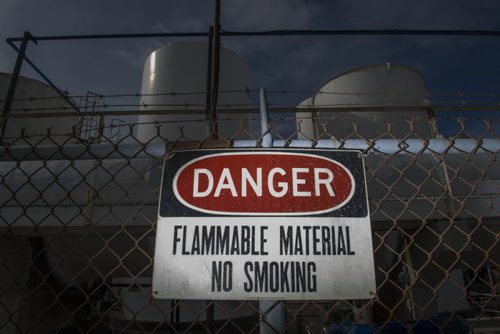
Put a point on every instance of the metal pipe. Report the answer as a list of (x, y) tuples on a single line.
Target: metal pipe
[(13, 82), (215, 70), (111, 36), (218, 33), (209, 68), (267, 140), (366, 32), (158, 150), (285, 32), (273, 314), (214, 47), (390, 146)]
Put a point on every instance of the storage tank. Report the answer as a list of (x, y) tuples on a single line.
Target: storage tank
[(34, 96), (399, 88), (175, 78), (305, 124)]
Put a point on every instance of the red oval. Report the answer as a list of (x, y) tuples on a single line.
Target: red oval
[(287, 184)]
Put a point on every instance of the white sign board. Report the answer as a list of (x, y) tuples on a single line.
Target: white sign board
[(264, 224)]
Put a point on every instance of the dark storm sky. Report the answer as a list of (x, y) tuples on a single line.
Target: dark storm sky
[(450, 64)]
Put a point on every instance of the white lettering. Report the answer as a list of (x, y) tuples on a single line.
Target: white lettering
[(196, 182), (318, 181), (282, 185), (296, 182), (246, 178), (253, 181), (225, 182)]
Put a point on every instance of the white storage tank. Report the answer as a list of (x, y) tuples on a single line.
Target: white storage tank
[(175, 78), (34, 96), (305, 124), (399, 88)]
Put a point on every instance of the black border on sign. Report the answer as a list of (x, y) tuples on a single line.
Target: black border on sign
[(170, 206)]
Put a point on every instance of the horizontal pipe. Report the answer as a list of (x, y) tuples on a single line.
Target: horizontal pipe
[(392, 146), (110, 36), (284, 32), (158, 150), (366, 32)]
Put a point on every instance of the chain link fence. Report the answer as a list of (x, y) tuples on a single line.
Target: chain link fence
[(78, 215)]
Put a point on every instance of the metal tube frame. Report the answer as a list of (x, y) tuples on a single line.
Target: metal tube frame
[(216, 38)]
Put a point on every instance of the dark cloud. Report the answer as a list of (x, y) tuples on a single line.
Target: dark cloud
[(287, 63)]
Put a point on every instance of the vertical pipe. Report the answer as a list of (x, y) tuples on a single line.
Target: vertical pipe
[(214, 49), (177, 314), (215, 70), (267, 140), (210, 315), (13, 83), (172, 315), (209, 71), (274, 315)]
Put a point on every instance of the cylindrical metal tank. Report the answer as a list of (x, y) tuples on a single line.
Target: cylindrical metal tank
[(374, 85), (399, 88), (305, 124), (34, 96), (175, 78)]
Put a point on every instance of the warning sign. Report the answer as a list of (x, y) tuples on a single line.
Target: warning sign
[(252, 224)]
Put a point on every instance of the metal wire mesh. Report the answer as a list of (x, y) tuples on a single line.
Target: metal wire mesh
[(78, 217)]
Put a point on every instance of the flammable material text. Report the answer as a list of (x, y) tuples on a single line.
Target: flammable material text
[(283, 276), (220, 240), (315, 240), (254, 240)]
